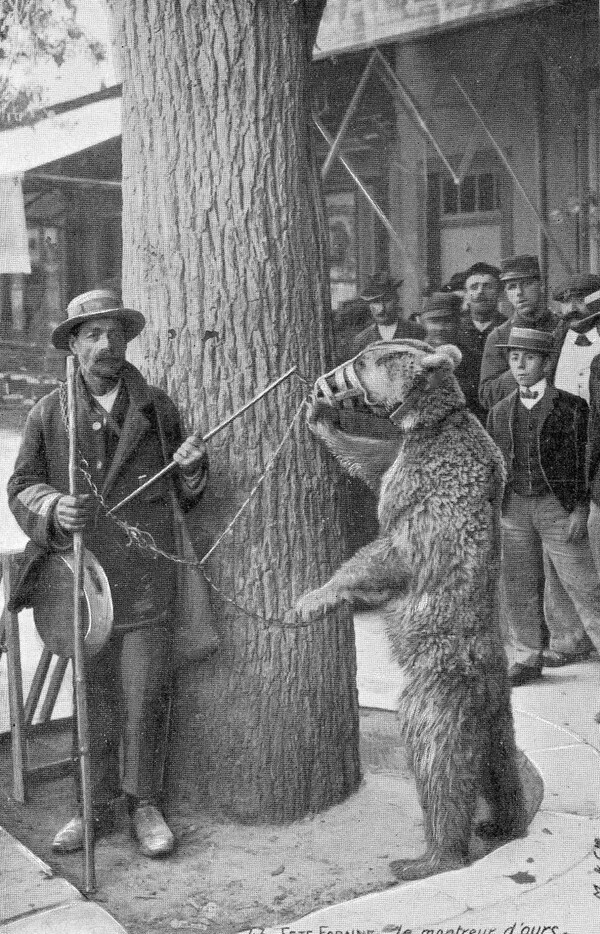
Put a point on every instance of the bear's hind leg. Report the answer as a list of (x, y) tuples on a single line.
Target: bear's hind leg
[(447, 787), (501, 783)]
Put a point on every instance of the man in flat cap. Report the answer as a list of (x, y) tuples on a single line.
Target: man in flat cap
[(126, 431), (381, 295), (441, 318), (522, 282)]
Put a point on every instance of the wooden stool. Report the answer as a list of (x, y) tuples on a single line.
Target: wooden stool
[(22, 711)]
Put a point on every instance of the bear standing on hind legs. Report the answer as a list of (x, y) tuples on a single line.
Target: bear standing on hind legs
[(433, 570)]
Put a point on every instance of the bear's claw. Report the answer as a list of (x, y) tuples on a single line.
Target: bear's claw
[(407, 870)]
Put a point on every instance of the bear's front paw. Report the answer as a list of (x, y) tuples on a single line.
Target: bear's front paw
[(313, 602)]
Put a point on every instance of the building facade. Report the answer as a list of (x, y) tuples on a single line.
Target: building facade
[(469, 131)]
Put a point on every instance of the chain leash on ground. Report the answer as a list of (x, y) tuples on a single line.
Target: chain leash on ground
[(139, 538)]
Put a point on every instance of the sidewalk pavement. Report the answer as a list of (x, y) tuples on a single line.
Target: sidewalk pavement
[(33, 901), (545, 883)]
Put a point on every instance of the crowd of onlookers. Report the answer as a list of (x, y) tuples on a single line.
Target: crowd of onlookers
[(530, 371)]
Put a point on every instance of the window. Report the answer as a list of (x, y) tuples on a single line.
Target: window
[(476, 194)]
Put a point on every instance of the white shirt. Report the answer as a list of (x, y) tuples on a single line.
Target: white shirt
[(109, 398), (539, 388), (573, 368), (481, 325), (387, 331)]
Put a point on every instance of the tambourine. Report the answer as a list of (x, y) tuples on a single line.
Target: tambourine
[(52, 600)]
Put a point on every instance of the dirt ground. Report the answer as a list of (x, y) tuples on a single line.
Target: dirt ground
[(226, 878)]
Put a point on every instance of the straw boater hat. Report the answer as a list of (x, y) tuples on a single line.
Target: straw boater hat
[(530, 339), (99, 303), (52, 599)]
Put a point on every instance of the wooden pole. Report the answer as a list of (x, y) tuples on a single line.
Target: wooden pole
[(89, 880)]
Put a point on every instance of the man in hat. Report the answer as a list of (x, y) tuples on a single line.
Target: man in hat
[(578, 338), (542, 433), (522, 281), (126, 430), (480, 316), (443, 322), (482, 296), (381, 295)]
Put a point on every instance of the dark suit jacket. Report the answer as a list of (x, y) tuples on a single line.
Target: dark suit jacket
[(593, 450), (141, 586), (471, 343), (562, 442)]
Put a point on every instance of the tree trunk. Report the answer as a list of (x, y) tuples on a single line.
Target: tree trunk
[(224, 237)]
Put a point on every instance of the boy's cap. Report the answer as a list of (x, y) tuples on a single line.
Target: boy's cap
[(530, 339), (520, 267)]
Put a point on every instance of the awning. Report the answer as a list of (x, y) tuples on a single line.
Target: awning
[(59, 136), (349, 25)]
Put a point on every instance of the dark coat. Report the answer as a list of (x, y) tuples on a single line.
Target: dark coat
[(496, 380), (562, 442), (471, 343), (593, 450), (142, 586)]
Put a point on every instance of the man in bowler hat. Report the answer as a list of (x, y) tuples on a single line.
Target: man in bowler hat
[(126, 430), (381, 294)]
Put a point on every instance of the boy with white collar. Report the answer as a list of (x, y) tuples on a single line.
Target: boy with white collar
[(542, 433)]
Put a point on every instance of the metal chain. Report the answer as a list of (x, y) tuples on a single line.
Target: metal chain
[(145, 542)]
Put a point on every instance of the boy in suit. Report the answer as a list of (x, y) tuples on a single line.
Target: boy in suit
[(542, 433)]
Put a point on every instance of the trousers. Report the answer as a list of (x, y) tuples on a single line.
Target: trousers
[(127, 689), (534, 526)]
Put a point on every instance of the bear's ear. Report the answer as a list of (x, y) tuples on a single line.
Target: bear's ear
[(444, 354)]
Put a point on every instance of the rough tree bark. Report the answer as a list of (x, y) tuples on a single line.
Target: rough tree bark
[(224, 251)]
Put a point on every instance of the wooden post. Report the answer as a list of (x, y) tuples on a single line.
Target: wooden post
[(15, 688)]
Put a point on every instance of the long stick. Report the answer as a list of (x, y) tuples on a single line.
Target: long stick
[(390, 76), (89, 882), (206, 437)]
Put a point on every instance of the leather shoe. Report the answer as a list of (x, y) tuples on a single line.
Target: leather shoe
[(518, 674), (151, 831), (554, 659), (69, 838)]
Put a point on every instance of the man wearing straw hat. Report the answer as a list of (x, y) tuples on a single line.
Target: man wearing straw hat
[(126, 431)]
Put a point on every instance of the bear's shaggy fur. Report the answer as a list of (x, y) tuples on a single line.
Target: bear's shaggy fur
[(434, 570)]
